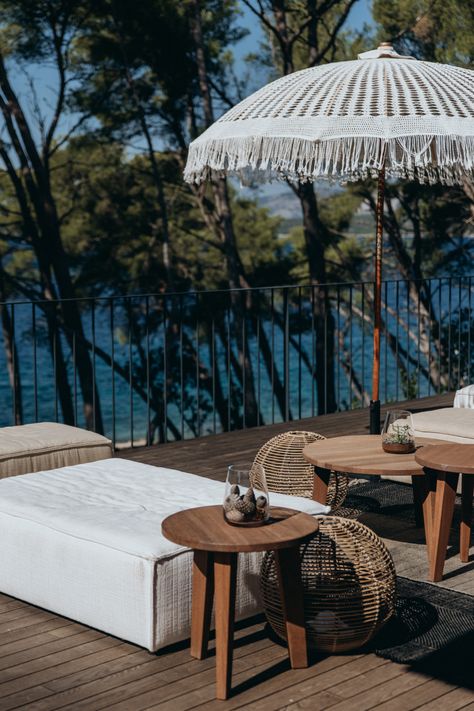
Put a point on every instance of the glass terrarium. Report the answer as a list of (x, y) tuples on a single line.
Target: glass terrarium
[(246, 501), (398, 436)]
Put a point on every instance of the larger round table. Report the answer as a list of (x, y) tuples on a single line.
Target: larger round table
[(363, 454), (445, 464), (216, 546)]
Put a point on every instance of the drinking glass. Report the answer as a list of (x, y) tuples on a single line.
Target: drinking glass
[(246, 501), (398, 435)]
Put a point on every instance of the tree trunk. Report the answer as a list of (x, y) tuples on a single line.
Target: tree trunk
[(418, 293), (73, 327), (313, 228), (323, 316), (160, 192), (224, 229), (41, 224), (272, 370), (212, 380), (59, 363), (11, 356)]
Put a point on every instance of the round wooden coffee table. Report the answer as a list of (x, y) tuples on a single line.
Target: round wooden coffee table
[(445, 463), (363, 454), (216, 546)]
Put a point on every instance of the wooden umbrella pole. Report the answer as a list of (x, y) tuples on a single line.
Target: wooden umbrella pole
[(375, 402)]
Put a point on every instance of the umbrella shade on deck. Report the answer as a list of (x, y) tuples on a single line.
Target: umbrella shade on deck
[(380, 115)]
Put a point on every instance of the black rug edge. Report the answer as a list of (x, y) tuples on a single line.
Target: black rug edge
[(439, 594), (442, 660)]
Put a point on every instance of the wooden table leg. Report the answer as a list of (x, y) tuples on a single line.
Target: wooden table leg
[(291, 591), (225, 575), (203, 592), (444, 509), (466, 515), (320, 484), (425, 487)]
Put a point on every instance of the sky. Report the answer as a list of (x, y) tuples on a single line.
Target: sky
[(360, 14)]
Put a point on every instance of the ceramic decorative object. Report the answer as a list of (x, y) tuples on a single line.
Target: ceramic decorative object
[(246, 500), (398, 434)]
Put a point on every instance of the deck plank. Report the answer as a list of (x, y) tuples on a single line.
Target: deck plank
[(249, 685), (451, 701), (174, 692), (209, 456), (264, 688), (98, 684), (378, 690), (373, 672), (422, 695), (47, 648)]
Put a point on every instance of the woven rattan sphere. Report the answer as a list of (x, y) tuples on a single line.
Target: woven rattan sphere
[(349, 586), (288, 472)]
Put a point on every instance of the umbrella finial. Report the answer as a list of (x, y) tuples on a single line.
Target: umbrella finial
[(384, 51)]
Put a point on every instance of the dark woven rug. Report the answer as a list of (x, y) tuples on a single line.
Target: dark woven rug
[(432, 630)]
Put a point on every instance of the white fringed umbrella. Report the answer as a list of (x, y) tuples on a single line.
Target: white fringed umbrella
[(382, 114)]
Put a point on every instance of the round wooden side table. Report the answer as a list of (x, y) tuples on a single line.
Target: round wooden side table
[(444, 464), (216, 546), (363, 454)]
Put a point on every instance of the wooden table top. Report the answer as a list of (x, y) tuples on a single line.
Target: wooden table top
[(363, 454), (204, 528), (453, 457)]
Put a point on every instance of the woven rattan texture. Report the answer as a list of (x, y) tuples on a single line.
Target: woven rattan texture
[(349, 586), (388, 88), (344, 121), (288, 472)]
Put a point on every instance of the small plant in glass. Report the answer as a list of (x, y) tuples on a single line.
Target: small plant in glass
[(397, 434), (246, 501)]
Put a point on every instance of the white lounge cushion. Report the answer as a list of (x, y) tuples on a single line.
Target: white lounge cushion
[(465, 397), (48, 445), (453, 424), (448, 424), (85, 541)]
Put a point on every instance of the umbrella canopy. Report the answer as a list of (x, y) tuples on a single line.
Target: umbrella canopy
[(382, 114), (345, 121)]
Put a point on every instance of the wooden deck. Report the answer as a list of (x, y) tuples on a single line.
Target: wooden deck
[(48, 662), (209, 456)]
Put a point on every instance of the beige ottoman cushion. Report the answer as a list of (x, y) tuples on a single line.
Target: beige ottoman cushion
[(48, 445), (450, 423)]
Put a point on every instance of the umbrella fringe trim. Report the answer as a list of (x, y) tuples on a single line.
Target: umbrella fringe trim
[(428, 159)]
